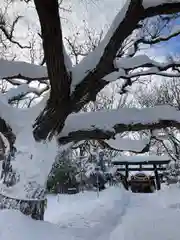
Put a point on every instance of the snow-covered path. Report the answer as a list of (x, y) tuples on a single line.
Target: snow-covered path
[(151, 216), (115, 215), (93, 218)]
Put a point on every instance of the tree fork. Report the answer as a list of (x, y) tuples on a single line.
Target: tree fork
[(52, 119)]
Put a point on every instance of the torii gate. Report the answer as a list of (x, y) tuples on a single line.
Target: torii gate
[(157, 163)]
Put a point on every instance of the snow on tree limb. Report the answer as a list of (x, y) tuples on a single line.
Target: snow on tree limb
[(142, 61), (157, 39), (121, 144), (22, 70), (126, 144), (22, 90), (106, 124), (13, 70)]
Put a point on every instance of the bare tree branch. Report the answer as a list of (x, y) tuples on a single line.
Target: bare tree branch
[(9, 35)]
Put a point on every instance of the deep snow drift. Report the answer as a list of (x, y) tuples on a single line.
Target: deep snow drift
[(116, 214)]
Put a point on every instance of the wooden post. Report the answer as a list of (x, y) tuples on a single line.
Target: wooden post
[(127, 175), (97, 182), (158, 183), (140, 167)]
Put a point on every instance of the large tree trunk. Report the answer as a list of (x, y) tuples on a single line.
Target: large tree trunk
[(52, 118), (24, 178)]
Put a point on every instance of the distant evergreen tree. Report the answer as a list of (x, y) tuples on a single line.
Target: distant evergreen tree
[(62, 175)]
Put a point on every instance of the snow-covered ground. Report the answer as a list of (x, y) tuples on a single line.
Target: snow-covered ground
[(116, 214)]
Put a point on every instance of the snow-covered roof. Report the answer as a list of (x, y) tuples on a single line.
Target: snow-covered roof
[(141, 158)]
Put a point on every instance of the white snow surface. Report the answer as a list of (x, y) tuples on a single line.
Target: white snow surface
[(116, 214)]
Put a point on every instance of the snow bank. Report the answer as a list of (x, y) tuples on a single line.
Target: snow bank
[(149, 224), (77, 217), (116, 214), (16, 226), (151, 216)]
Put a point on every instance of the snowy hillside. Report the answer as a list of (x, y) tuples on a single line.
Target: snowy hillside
[(116, 214)]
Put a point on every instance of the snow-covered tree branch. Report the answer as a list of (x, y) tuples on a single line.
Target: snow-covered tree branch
[(106, 124)]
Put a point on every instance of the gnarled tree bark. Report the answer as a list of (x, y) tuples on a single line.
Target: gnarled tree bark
[(52, 118)]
